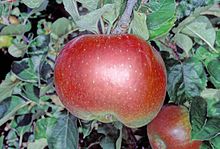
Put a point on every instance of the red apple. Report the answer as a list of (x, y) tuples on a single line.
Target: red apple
[(171, 129), (111, 77)]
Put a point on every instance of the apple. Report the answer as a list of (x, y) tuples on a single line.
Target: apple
[(171, 129), (13, 20), (5, 41), (110, 78)]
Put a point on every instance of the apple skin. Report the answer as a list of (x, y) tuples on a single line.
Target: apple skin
[(13, 20), (5, 41), (171, 129), (111, 77)]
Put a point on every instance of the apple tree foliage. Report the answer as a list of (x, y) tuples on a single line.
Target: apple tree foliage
[(186, 32)]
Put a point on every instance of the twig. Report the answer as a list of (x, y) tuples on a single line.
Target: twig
[(173, 47), (132, 137), (25, 39), (92, 144), (125, 19)]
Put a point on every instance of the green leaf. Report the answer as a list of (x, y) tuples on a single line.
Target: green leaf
[(11, 135), (161, 18), (194, 15), (139, 26), (7, 86), (9, 107), (107, 143), (89, 4), (41, 126), (218, 38), (61, 27), (186, 80), (205, 145), (36, 62), (23, 120), (87, 127), (184, 42), (214, 10), (32, 3), (17, 50), (1, 142), (201, 28), (71, 7), (212, 97), (203, 128), (89, 22), (205, 55), (31, 92), (198, 112), (162, 29), (112, 135), (1, 10), (162, 11), (46, 71), (210, 129), (42, 7), (215, 82), (111, 16), (63, 133), (37, 144), (183, 9), (24, 110), (119, 140), (14, 30), (12, 138), (215, 142), (213, 68), (40, 44), (21, 130), (24, 70)]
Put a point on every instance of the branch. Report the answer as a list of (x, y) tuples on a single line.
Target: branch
[(173, 47), (93, 144), (125, 19), (132, 137)]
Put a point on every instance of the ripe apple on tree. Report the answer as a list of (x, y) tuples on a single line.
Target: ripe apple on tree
[(171, 129), (111, 77)]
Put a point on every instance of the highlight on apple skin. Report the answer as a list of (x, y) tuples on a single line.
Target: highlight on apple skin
[(111, 77)]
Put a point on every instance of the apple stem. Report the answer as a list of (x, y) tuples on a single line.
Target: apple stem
[(124, 21)]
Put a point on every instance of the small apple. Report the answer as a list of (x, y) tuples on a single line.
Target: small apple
[(171, 129), (111, 77), (5, 41), (13, 20)]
